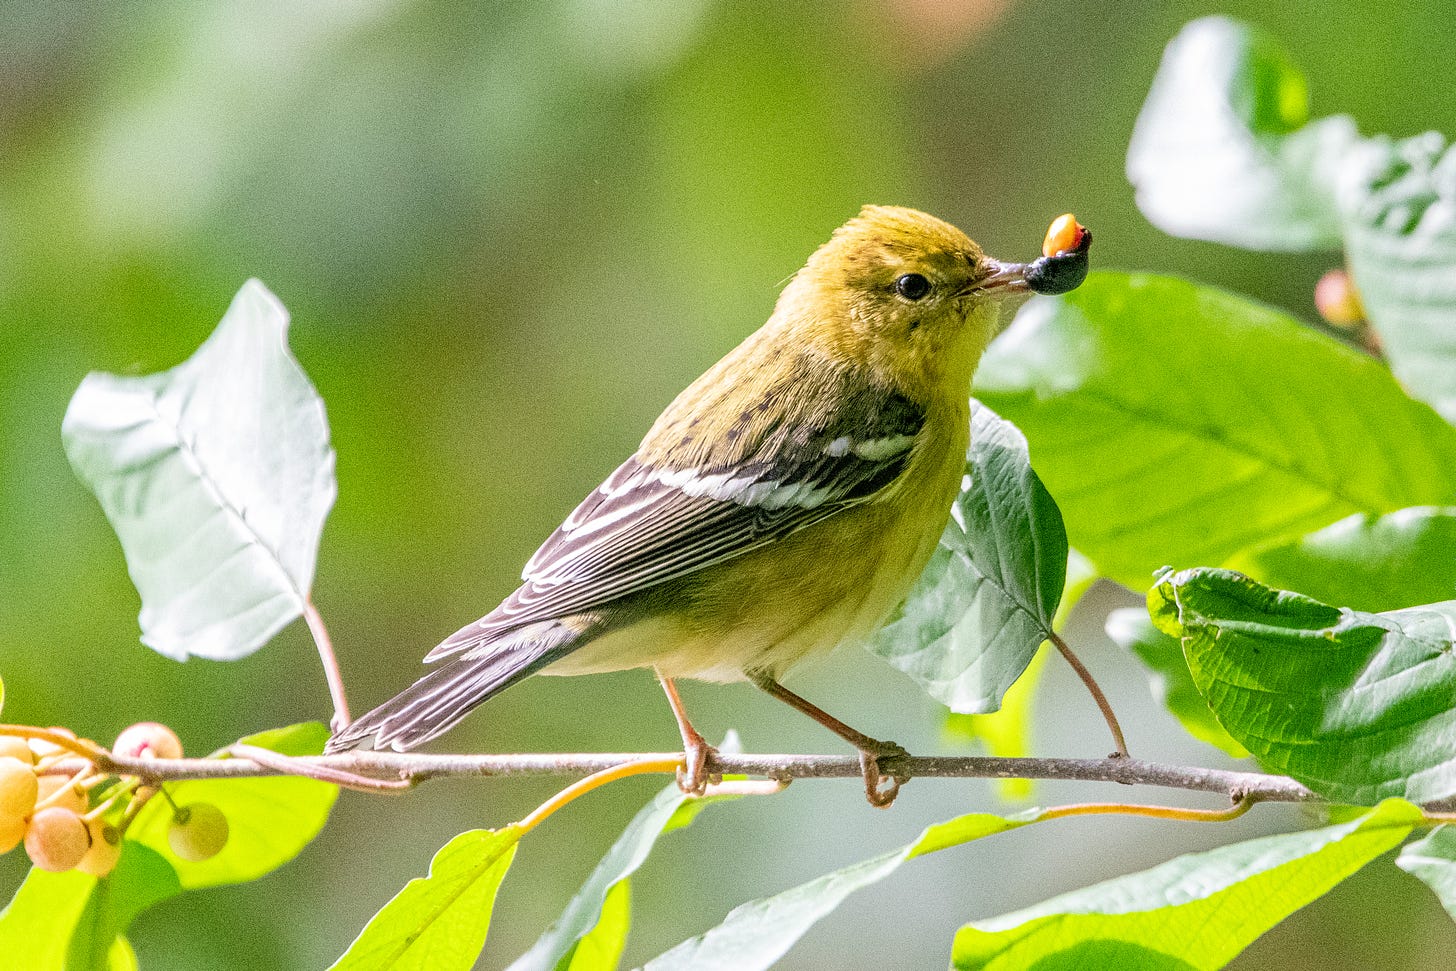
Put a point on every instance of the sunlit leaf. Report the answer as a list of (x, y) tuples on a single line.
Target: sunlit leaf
[(1223, 150), (438, 922), (1195, 912), (1156, 456), (1402, 559), (600, 949), (142, 879), (36, 926), (986, 601), (1172, 682), (217, 476), (1433, 861), (583, 916), (270, 820), (1355, 705), (1399, 205), (756, 934)]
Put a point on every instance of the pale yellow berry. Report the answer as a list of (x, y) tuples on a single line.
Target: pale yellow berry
[(71, 796), (56, 839), (105, 849), (148, 740), (18, 788), (1337, 300), (198, 832), (12, 747), (12, 831)]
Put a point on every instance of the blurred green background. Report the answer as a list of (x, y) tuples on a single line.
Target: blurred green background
[(508, 233)]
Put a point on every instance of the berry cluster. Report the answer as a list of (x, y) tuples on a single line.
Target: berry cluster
[(46, 802)]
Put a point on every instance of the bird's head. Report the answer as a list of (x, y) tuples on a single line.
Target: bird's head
[(912, 296)]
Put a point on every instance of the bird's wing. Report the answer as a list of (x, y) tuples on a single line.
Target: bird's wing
[(648, 523)]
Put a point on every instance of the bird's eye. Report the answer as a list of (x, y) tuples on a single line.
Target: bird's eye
[(912, 286)]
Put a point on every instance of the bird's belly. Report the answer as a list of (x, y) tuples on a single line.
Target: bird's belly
[(829, 584)]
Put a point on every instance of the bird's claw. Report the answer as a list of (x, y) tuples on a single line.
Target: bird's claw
[(878, 794), (692, 776)]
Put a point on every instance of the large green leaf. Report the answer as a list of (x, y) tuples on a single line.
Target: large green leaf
[(1399, 206), (142, 879), (584, 915), (270, 821), (1433, 861), (1157, 455), (1194, 912), (1355, 705), (1222, 151), (756, 934), (1402, 559), (1172, 683), (438, 922), (217, 476), (37, 925), (986, 601)]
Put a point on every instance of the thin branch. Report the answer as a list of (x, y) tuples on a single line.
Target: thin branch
[(1096, 691), (332, 674), (414, 768)]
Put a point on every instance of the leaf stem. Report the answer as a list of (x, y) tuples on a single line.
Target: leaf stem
[(332, 675), (597, 779), (1096, 691), (1157, 812)]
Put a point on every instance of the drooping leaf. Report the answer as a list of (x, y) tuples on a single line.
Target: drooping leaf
[(1402, 559), (142, 879), (1155, 456), (270, 820), (37, 925), (1195, 912), (1172, 682), (1007, 733), (1224, 151), (1355, 705), (1399, 206), (584, 915), (438, 922), (756, 934), (600, 949), (1433, 861), (216, 476), (986, 601)]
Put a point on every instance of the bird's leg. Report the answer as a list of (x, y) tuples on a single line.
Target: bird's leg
[(871, 750), (692, 778)]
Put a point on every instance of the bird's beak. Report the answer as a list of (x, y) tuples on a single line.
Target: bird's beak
[(1049, 274)]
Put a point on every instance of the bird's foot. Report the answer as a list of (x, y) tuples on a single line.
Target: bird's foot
[(878, 794), (693, 777)]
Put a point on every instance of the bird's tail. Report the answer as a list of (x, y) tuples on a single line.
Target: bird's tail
[(435, 703)]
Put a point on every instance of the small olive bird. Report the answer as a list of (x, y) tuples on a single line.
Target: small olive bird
[(782, 505)]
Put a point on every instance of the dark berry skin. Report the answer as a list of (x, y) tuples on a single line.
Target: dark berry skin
[(1063, 272)]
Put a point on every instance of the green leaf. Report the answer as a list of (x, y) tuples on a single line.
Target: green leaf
[(601, 947), (756, 934), (438, 922), (217, 476), (669, 811), (986, 601), (1171, 681), (1402, 559), (36, 926), (1222, 151), (1399, 206), (270, 821), (1197, 911), (1157, 456), (1433, 861), (1355, 705), (142, 879), (1007, 733)]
